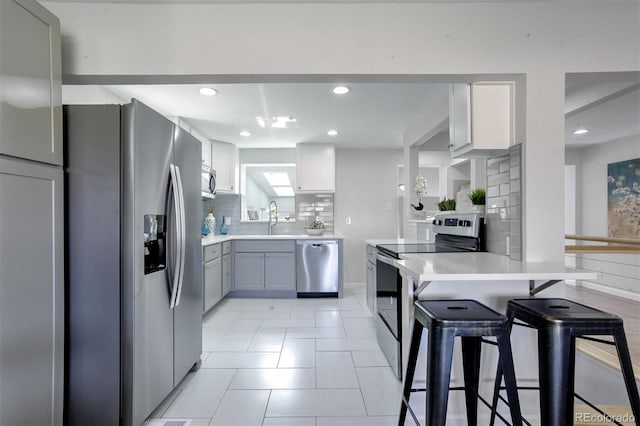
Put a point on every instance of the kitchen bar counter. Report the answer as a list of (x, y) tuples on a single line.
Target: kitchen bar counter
[(206, 241), (482, 266), (490, 278)]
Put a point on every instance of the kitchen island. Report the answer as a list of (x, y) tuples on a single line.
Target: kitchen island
[(491, 279)]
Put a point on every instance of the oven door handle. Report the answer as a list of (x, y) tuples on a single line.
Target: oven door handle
[(386, 259)]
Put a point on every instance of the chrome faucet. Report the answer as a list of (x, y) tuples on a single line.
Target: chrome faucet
[(273, 214)]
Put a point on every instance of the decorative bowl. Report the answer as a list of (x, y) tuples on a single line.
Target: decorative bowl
[(314, 231)]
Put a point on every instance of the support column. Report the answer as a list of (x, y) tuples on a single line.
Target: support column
[(543, 185)]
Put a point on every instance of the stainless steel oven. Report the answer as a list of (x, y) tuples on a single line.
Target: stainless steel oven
[(459, 232), (389, 310)]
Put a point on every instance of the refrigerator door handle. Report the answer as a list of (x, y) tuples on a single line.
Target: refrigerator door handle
[(182, 236), (178, 251)]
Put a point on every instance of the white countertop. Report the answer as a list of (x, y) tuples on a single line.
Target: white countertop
[(222, 238), (483, 266)]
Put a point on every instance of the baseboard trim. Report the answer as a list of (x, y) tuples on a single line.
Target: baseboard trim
[(606, 289)]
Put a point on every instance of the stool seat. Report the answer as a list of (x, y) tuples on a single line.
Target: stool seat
[(457, 313), (559, 322), (445, 320), (554, 310)]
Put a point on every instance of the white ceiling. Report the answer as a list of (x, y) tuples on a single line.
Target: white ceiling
[(371, 116)]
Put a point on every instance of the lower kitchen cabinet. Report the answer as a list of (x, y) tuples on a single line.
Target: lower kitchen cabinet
[(371, 278), (265, 265), (226, 274), (279, 271), (212, 283), (371, 286), (212, 279), (249, 273)]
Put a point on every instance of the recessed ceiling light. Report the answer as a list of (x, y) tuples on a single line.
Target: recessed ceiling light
[(332, 132), (581, 131), (341, 90), (245, 133), (208, 91)]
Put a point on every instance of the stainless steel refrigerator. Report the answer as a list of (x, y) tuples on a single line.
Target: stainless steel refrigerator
[(134, 257)]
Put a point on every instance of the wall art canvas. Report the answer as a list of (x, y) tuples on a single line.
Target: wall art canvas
[(623, 196)]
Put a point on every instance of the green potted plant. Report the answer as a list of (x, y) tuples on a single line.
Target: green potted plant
[(447, 204), (478, 199)]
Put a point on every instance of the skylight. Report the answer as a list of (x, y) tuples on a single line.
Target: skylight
[(284, 191), (277, 178), (281, 122)]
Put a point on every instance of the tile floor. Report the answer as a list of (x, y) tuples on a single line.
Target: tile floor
[(276, 362), (303, 362)]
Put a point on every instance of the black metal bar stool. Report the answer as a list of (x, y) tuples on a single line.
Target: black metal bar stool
[(444, 320), (559, 322)]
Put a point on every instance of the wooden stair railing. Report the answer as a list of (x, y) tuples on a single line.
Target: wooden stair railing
[(615, 245)]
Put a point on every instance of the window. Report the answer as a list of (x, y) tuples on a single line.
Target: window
[(263, 183)]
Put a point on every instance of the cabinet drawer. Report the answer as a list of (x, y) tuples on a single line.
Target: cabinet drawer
[(371, 253), (265, 246), (211, 252), (226, 247)]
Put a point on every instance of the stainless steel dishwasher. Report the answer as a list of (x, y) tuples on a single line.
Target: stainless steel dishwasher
[(317, 268)]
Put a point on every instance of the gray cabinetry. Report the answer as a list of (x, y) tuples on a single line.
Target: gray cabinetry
[(31, 217), (264, 265), (212, 283), (30, 78), (226, 267), (371, 278), (31, 293), (249, 271), (212, 276), (279, 271)]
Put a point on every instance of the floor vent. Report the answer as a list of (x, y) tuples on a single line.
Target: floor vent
[(176, 422), (166, 422)]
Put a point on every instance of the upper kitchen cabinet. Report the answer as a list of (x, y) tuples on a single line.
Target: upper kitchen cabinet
[(30, 79), (480, 118), (315, 168), (224, 160), (206, 152)]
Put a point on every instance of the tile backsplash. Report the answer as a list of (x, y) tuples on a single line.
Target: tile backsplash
[(308, 207), (504, 203)]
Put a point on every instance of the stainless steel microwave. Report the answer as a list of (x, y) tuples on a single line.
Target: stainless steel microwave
[(208, 182)]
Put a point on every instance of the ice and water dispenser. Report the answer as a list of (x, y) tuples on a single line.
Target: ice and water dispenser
[(155, 244)]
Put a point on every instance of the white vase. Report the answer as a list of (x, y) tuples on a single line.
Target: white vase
[(210, 220), (478, 208)]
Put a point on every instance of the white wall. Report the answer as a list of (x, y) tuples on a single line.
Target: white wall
[(371, 41), (365, 191), (621, 271)]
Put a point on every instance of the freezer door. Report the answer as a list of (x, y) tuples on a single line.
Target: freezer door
[(147, 316), (188, 311)]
